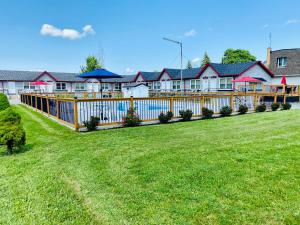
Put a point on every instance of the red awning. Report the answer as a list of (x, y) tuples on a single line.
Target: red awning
[(39, 83), (247, 79), (283, 80)]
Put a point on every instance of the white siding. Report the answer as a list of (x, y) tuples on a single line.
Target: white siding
[(166, 83), (257, 72), (209, 80)]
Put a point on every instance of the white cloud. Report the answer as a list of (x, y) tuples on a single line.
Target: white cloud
[(265, 26), (195, 60), (190, 33), (129, 70), (292, 21), (50, 30)]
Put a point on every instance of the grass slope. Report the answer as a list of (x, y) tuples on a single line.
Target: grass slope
[(237, 170)]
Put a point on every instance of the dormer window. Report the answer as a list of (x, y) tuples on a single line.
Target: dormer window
[(281, 62)]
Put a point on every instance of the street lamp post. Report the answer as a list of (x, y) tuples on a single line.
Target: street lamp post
[(180, 44)]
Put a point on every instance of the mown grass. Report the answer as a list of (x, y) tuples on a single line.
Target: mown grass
[(236, 170)]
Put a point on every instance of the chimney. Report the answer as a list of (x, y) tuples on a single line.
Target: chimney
[(268, 63)]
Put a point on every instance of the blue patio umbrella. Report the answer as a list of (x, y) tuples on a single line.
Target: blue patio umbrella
[(99, 74)]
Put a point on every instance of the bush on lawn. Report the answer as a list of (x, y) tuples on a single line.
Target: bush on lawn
[(165, 118), (286, 106), (275, 106), (226, 111), (132, 119), (186, 115), (11, 132), (243, 109), (261, 108), (207, 113), (92, 124), (4, 103)]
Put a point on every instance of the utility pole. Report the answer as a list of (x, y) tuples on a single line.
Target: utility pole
[(181, 72)]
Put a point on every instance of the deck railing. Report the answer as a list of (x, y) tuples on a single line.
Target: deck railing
[(74, 112)]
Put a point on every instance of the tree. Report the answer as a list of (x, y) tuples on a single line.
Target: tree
[(11, 132), (4, 103), (189, 65), (92, 63), (237, 56), (205, 60)]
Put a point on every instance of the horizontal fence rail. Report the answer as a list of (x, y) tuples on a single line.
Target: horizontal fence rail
[(75, 112)]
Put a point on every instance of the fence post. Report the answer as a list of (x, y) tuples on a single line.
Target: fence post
[(231, 100), (48, 106), (202, 103), (76, 115), (171, 104), (275, 98), (41, 98), (131, 102), (284, 98), (35, 101), (255, 101), (57, 108)]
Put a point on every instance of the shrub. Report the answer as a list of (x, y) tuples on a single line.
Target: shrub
[(207, 113), (286, 106), (11, 132), (243, 109), (186, 115), (261, 108), (92, 124), (275, 106), (4, 103), (132, 119), (164, 118), (226, 111)]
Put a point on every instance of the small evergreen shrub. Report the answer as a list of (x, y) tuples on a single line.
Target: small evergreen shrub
[(243, 109), (261, 108), (92, 124), (132, 119), (165, 118), (226, 111), (275, 106), (11, 132), (186, 115), (4, 103), (286, 106), (207, 113)]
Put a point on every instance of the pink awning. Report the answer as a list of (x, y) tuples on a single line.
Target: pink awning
[(247, 79), (39, 83)]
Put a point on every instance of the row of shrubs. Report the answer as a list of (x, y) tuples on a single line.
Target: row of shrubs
[(12, 134), (132, 119)]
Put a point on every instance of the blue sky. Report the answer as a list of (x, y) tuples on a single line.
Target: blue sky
[(128, 34)]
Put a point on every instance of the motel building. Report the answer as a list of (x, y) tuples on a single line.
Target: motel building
[(213, 77)]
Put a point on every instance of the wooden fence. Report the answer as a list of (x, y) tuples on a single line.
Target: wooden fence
[(74, 112)]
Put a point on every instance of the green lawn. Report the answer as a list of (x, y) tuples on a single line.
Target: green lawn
[(236, 170)]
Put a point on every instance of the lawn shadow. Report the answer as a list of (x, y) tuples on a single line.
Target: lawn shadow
[(23, 149)]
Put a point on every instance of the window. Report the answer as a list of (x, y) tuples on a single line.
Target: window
[(282, 62), (226, 83), (105, 86), (149, 84), (80, 86), (28, 86), (195, 85), (176, 85), (156, 85), (60, 86), (117, 86)]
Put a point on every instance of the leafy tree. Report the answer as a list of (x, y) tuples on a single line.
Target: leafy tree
[(237, 56), (11, 132), (92, 63), (189, 65), (4, 103), (205, 60)]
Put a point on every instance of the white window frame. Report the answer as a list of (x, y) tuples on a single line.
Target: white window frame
[(80, 86), (150, 85), (59, 86), (27, 84), (156, 85), (105, 86), (117, 86), (195, 84), (176, 85), (281, 62), (227, 83)]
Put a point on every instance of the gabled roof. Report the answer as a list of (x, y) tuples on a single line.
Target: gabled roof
[(236, 69), (175, 74), (124, 79), (148, 76), (12, 75), (134, 85)]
